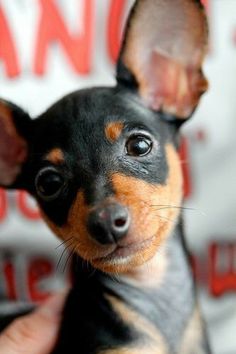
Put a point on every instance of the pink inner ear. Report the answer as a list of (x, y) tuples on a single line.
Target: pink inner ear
[(166, 41), (166, 84), (13, 148)]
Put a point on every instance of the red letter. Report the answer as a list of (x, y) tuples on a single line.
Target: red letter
[(39, 270), (205, 3), (184, 157), (9, 273), (53, 29), (194, 263), (115, 18), (7, 49), (222, 280), (24, 206), (3, 204)]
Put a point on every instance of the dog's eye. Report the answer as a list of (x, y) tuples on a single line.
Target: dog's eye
[(49, 183), (138, 146)]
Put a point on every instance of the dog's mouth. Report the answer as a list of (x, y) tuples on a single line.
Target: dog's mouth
[(122, 253)]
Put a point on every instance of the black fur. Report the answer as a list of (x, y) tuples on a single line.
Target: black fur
[(76, 125), (89, 156)]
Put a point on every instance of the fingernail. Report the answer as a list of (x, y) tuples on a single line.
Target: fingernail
[(53, 306)]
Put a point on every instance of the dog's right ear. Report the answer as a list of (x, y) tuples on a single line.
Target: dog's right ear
[(164, 45), (14, 127)]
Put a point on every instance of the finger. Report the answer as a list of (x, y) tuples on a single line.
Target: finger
[(35, 333)]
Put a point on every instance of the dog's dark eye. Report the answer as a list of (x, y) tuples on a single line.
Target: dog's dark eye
[(49, 183), (138, 146)]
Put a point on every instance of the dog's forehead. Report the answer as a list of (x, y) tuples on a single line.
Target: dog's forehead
[(93, 116), (96, 107)]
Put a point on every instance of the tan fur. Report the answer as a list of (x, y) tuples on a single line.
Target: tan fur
[(75, 230), (113, 130), (193, 335), (149, 226), (55, 156), (153, 342), (143, 201)]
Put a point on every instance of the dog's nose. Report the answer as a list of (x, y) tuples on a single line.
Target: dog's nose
[(108, 224)]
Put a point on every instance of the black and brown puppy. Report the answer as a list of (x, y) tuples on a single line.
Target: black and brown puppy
[(103, 166)]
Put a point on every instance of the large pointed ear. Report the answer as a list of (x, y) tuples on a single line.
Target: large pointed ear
[(163, 49), (14, 123)]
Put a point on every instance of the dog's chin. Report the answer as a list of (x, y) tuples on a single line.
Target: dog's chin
[(123, 258)]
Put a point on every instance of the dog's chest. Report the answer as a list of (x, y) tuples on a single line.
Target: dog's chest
[(105, 315), (160, 315)]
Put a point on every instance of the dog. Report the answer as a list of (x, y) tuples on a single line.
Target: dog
[(103, 166)]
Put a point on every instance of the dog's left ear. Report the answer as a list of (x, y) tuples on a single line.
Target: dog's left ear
[(14, 126), (163, 49)]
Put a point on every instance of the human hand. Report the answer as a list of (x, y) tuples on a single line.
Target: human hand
[(35, 333)]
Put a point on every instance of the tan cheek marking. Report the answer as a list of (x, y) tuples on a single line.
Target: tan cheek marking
[(75, 224), (75, 230), (113, 130), (193, 335), (55, 156), (148, 204), (155, 343)]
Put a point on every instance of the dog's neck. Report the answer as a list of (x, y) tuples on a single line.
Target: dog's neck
[(161, 291), (170, 260)]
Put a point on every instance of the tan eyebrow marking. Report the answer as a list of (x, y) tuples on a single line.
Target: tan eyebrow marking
[(113, 130), (55, 156)]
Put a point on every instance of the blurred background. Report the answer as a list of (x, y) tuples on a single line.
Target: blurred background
[(51, 47)]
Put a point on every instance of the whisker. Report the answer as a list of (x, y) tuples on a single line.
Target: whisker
[(62, 254), (202, 213), (64, 242), (68, 258), (92, 272), (165, 218), (163, 206)]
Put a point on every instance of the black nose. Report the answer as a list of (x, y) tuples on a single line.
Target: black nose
[(108, 224)]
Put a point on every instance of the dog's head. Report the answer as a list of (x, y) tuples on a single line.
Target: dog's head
[(102, 162)]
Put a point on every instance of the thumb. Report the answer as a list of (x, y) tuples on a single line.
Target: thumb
[(35, 333)]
